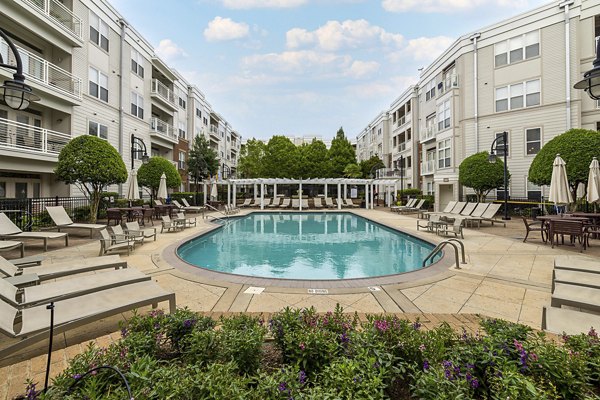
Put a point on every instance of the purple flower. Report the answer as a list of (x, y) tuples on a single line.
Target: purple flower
[(474, 383), (188, 323), (282, 387), (593, 333), (302, 346), (77, 376), (381, 325), (416, 325), (425, 365), (302, 377), (124, 332), (344, 339)]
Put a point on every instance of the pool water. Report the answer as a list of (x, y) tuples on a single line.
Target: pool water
[(306, 246)]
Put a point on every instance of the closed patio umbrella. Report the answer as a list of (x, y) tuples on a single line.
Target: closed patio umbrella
[(560, 192), (593, 186), (133, 190), (214, 191), (162, 187)]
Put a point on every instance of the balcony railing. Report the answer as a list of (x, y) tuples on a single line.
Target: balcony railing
[(402, 146), (42, 71), (450, 81), (163, 129), (428, 167), (428, 133), (214, 131), (60, 14), (161, 90), (15, 135)]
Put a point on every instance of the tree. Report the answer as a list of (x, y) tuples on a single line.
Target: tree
[(341, 154), (477, 173), (250, 163), (149, 174), (313, 161), (202, 160), (577, 147), (352, 171), (281, 158), (90, 163), (368, 167)]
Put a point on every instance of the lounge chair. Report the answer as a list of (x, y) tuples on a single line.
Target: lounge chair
[(295, 203), (66, 288), (276, 202), (571, 322), (468, 209), (409, 203), (122, 236), (187, 221), (456, 210), (134, 229), (414, 208), (318, 203), (432, 224), (329, 202), (349, 203), (304, 203), (246, 203), (188, 207), (168, 224), (446, 210), (490, 213), (256, 202), (576, 296), (77, 311), (62, 220), (476, 214), (109, 242), (12, 244), (455, 229), (285, 203)]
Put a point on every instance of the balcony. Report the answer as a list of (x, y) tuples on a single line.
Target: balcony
[(161, 92), (31, 139), (450, 82), (428, 134), (43, 72), (161, 129), (214, 132), (59, 15), (428, 167)]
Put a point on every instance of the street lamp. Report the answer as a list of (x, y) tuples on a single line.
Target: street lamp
[(138, 147), (502, 139), (591, 79), (401, 162), (16, 94)]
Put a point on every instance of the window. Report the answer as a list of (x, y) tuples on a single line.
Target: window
[(430, 90), (205, 121), (533, 139), (517, 49), (182, 129), (443, 115), (500, 193), (430, 124), (2, 190), (182, 103), (198, 113), (181, 162), (98, 84), (430, 188), (444, 153), (518, 95), (137, 105), (98, 31), (137, 63), (97, 129), (534, 192), (502, 147)]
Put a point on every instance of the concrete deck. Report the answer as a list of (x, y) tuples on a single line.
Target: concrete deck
[(503, 278)]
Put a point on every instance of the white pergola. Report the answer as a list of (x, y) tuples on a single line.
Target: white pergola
[(370, 185)]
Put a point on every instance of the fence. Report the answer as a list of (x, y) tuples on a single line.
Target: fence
[(531, 207), (30, 214)]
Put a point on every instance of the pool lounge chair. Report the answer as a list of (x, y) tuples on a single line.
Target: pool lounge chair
[(168, 224), (187, 221), (134, 229), (256, 202), (276, 202), (571, 322), (77, 311), (349, 203), (246, 202), (8, 230), (455, 229), (122, 236), (329, 202), (317, 202), (12, 244), (476, 214), (295, 203), (446, 210), (409, 203), (188, 207), (62, 220), (490, 213), (285, 203), (110, 242), (52, 271), (414, 208), (304, 203)]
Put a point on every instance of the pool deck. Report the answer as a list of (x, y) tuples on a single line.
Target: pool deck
[(503, 277)]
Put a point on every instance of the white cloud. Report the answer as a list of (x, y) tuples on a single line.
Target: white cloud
[(297, 61), (378, 89), (361, 69), (445, 6), (335, 35), (220, 29), (169, 51), (427, 48), (245, 4)]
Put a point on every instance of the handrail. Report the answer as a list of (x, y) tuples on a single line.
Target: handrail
[(441, 245), (226, 220)]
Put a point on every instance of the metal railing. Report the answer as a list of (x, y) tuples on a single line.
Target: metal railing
[(224, 221), (402, 146), (30, 214), (15, 135), (43, 71), (427, 167), (450, 81), (57, 12), (441, 245), (162, 91), (162, 128), (427, 133)]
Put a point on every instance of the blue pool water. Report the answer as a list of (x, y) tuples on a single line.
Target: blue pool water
[(306, 246)]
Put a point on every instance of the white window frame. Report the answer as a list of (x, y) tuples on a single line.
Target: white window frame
[(100, 27), (182, 131), (529, 91), (182, 102), (532, 187), (430, 90), (181, 160), (98, 126), (137, 105), (100, 80), (444, 153), (527, 141), (506, 50), (444, 115), (137, 63)]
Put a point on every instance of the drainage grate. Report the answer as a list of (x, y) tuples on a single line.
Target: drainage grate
[(374, 288), (318, 291), (254, 290)]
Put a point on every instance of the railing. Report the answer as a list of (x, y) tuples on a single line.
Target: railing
[(57, 12), (15, 135), (402, 146), (214, 131), (31, 214), (224, 221), (441, 245), (428, 133), (162, 128), (42, 71), (402, 120), (428, 167), (450, 81), (162, 91)]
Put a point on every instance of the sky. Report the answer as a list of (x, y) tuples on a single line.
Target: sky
[(306, 67)]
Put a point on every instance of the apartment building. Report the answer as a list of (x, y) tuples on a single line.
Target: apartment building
[(516, 76), (95, 74), (374, 140)]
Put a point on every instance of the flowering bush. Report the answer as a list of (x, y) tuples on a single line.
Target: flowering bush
[(330, 356)]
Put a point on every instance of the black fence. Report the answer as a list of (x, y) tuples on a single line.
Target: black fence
[(31, 214), (532, 207)]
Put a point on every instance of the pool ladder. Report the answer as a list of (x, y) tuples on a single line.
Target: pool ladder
[(225, 221), (452, 242)]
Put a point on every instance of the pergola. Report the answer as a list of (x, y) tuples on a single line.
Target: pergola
[(341, 183)]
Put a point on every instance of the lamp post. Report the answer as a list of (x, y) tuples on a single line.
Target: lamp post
[(138, 147), (16, 94), (401, 162), (591, 79), (502, 139)]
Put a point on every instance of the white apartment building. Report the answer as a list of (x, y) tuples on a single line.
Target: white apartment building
[(374, 140), (516, 76), (95, 74)]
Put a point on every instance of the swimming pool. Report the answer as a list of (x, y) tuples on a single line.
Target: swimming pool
[(311, 246)]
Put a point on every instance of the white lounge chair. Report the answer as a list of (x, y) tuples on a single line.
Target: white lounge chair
[(168, 224), (285, 203), (121, 236), (8, 230), (318, 203), (349, 203), (12, 244), (295, 203), (134, 229), (409, 203), (62, 220), (276, 202), (304, 203), (187, 221), (246, 203), (329, 202), (446, 210), (109, 242), (417, 206), (188, 207), (32, 324), (490, 213)]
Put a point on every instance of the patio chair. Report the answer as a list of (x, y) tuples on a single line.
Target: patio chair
[(490, 213), (455, 229), (409, 203), (66, 288), (57, 270), (415, 208), (317, 202), (256, 202), (8, 230), (6, 245), (295, 203), (168, 224), (109, 243), (348, 202), (62, 220), (571, 322), (565, 226), (188, 207), (31, 325), (246, 203), (158, 202), (187, 221), (285, 203), (147, 215), (122, 236), (446, 210), (329, 202), (134, 229), (475, 215), (533, 226), (304, 203), (276, 202), (114, 214), (432, 224)]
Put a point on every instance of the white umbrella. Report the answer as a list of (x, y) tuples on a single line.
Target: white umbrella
[(593, 186), (213, 191), (162, 188), (133, 190), (560, 192)]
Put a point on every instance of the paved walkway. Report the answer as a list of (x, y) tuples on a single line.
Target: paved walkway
[(503, 278)]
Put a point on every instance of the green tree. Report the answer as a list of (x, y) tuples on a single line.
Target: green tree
[(202, 160), (341, 154), (149, 174), (250, 163), (313, 161), (577, 147), (281, 158), (352, 171), (90, 163), (369, 166), (477, 173)]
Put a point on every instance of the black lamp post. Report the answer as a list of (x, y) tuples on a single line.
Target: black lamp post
[(138, 147), (502, 139), (401, 162), (16, 94), (591, 79)]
